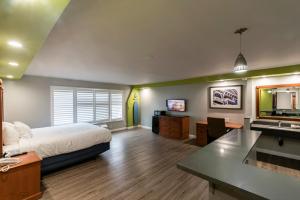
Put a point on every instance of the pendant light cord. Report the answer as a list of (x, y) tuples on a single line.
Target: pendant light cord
[(240, 42), (241, 31)]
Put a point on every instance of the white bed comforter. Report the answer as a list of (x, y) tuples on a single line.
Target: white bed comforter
[(51, 141)]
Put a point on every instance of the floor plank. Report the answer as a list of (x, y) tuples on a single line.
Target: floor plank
[(140, 165)]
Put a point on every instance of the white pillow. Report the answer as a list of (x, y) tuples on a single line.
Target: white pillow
[(10, 134), (23, 129)]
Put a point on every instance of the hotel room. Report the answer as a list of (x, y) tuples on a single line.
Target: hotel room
[(161, 99)]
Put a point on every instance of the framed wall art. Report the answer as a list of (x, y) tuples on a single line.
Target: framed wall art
[(226, 97)]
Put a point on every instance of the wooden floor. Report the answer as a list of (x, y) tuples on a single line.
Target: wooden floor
[(140, 165)]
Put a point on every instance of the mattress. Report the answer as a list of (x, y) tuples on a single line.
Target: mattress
[(52, 141)]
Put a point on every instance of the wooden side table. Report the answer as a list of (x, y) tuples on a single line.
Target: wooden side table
[(22, 181)]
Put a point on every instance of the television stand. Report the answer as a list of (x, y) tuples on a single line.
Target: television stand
[(175, 127)]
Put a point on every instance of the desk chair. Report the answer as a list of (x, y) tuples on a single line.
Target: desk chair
[(215, 128)]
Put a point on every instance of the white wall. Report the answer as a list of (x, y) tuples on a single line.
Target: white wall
[(197, 96), (28, 99)]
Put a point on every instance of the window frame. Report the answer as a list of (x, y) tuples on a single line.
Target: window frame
[(75, 89), (110, 105)]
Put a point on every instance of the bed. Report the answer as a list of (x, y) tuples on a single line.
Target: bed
[(61, 146)]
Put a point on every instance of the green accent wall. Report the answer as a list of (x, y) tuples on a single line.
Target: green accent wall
[(266, 104), (266, 99), (28, 22), (134, 93), (277, 71)]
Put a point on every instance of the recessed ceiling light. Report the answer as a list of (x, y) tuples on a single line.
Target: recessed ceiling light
[(15, 44), (9, 76), (12, 63)]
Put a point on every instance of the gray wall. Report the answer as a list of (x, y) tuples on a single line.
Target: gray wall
[(197, 105), (28, 99)]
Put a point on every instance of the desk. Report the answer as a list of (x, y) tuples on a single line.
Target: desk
[(201, 131)]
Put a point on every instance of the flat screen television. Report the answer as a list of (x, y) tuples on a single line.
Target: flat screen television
[(176, 105)]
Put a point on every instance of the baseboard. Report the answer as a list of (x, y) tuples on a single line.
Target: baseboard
[(132, 127), (146, 127), (125, 128), (118, 129), (192, 136)]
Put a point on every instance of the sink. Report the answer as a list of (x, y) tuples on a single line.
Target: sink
[(275, 125), (294, 126)]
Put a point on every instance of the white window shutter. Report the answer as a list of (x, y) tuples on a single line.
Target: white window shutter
[(71, 105), (85, 105), (116, 105), (62, 106), (102, 105)]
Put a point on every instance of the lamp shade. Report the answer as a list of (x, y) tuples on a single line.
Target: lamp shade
[(240, 64)]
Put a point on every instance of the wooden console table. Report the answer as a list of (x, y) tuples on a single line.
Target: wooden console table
[(175, 127), (201, 131)]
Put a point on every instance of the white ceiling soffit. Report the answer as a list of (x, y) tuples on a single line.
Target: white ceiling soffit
[(136, 42)]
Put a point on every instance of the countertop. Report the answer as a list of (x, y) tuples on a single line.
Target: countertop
[(263, 126), (222, 162)]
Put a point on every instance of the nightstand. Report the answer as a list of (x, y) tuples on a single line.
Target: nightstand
[(22, 181)]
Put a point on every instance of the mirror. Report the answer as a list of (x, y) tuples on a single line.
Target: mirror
[(280, 102)]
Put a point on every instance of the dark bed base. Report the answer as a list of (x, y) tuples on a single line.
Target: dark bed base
[(54, 163)]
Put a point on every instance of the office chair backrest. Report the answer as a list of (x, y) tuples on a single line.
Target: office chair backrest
[(216, 127)]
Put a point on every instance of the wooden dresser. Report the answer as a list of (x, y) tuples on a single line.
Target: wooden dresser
[(175, 127), (22, 181)]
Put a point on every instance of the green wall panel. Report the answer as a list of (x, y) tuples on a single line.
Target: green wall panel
[(266, 99), (28, 22), (278, 71), (134, 96)]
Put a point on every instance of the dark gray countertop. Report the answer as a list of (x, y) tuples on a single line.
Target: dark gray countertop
[(296, 130), (222, 162)]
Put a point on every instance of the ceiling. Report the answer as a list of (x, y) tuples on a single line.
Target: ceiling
[(27, 24), (141, 41)]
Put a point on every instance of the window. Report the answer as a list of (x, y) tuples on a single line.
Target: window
[(71, 105), (116, 105), (62, 106), (85, 105), (102, 105)]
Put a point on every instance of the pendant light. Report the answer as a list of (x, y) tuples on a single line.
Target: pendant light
[(240, 64)]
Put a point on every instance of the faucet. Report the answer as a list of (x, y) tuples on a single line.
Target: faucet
[(279, 123)]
